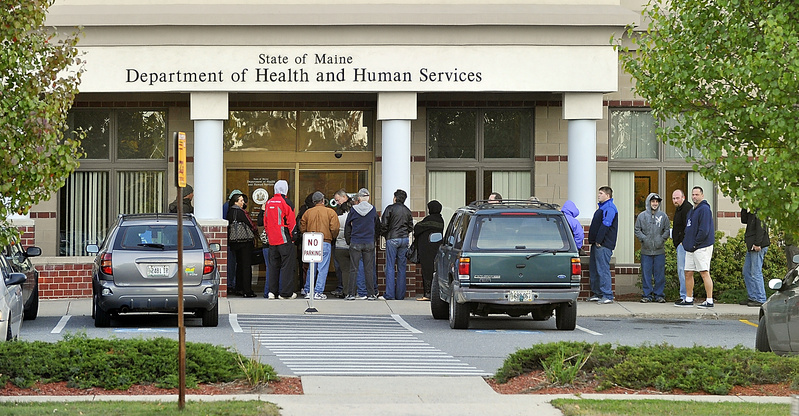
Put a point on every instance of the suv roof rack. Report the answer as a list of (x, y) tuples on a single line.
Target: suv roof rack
[(156, 215), (532, 202)]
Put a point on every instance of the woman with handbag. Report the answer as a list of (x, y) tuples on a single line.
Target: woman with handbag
[(432, 223), (241, 235)]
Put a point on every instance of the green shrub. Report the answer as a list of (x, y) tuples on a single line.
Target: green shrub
[(117, 364)]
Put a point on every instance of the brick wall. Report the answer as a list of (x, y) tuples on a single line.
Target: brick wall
[(69, 280)]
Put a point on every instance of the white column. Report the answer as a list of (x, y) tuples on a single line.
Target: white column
[(208, 110), (396, 110), (582, 166), (582, 110)]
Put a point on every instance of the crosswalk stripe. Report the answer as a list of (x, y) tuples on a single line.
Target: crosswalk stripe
[(351, 345)]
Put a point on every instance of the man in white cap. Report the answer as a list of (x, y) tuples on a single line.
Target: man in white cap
[(279, 222)]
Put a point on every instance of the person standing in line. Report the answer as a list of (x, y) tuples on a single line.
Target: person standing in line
[(341, 251), (279, 222), (265, 249), (188, 194), (397, 225), (302, 267), (432, 223), (757, 242), (683, 208), (698, 243), (361, 232), (602, 237), (652, 229), (320, 219), (231, 259), (242, 250), (494, 197), (571, 212)]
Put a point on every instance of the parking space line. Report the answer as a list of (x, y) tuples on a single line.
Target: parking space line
[(586, 330), (746, 321), (61, 324), (234, 322)]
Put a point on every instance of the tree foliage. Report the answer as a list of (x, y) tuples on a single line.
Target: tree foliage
[(726, 71), (40, 72)]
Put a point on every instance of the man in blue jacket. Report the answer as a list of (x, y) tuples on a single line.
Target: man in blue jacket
[(362, 231), (602, 238), (698, 244)]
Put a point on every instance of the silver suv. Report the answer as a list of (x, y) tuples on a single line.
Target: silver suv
[(136, 269)]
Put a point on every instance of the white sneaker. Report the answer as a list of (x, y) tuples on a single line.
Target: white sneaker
[(307, 296), (594, 299), (605, 301), (270, 295), (319, 296), (361, 297)]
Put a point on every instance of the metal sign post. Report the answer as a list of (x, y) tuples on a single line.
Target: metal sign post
[(180, 171), (312, 253)]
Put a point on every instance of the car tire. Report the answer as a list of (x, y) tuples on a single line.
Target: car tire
[(458, 312), (102, 319), (542, 315), (438, 307), (566, 316), (211, 317), (761, 339), (33, 309)]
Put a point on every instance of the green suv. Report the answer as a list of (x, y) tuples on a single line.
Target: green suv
[(514, 257)]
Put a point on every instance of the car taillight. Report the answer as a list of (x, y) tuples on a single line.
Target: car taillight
[(464, 266), (105, 264), (208, 265), (577, 269)]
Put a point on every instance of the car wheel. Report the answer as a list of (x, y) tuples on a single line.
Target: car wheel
[(761, 339), (458, 312), (566, 316), (33, 309), (542, 315), (102, 319), (211, 317), (438, 307)]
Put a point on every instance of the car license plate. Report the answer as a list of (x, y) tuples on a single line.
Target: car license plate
[(157, 271), (522, 295)]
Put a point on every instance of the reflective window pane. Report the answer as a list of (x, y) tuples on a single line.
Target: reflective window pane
[(141, 134), (632, 135), (511, 185), (261, 130), (84, 212), (335, 130), (96, 126), (452, 134), (508, 133), (140, 191)]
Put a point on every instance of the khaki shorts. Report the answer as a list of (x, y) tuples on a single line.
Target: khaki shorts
[(699, 260)]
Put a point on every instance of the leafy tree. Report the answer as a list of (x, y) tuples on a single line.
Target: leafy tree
[(40, 71), (726, 72)]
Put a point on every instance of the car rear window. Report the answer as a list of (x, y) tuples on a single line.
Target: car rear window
[(521, 231), (156, 237)]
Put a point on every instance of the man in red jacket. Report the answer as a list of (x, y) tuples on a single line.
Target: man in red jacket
[(279, 223)]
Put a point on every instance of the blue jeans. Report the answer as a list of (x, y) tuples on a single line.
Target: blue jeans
[(396, 279), (653, 267), (753, 274), (681, 270), (321, 271), (599, 272)]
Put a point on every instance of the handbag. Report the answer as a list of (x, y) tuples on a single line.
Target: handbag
[(264, 238), (239, 232), (413, 253)]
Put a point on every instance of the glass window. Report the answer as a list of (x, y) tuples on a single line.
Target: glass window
[(98, 133), (632, 135), (508, 133), (520, 232), (511, 185), (261, 130), (156, 238), (452, 134), (141, 134), (334, 130), (140, 191), (84, 212)]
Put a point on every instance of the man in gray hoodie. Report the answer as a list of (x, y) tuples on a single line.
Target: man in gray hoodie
[(652, 229), (361, 231)]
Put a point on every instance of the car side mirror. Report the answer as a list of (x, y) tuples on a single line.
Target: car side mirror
[(214, 247), (775, 284), (33, 252), (796, 259), (436, 237), (15, 279), (92, 249)]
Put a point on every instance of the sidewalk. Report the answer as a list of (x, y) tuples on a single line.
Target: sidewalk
[(367, 396), (409, 306)]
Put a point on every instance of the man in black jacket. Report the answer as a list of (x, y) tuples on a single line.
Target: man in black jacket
[(678, 233), (396, 225), (757, 242)]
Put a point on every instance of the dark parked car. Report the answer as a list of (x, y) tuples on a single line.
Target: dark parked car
[(510, 257), (778, 326), (10, 301), (19, 262), (136, 269)]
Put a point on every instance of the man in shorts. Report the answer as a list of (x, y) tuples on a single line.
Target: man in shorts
[(698, 244)]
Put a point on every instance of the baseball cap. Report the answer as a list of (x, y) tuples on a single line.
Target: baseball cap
[(656, 196), (363, 192)]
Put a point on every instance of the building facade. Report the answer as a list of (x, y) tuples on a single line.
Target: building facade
[(448, 101)]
